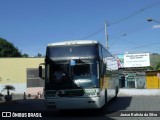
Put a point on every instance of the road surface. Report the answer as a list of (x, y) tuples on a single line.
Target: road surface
[(120, 109)]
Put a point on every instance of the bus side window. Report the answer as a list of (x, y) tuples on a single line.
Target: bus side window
[(101, 68)]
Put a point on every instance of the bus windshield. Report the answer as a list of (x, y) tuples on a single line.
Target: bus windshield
[(67, 52), (85, 73), (72, 74)]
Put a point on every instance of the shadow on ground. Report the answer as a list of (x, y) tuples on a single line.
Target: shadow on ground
[(108, 111)]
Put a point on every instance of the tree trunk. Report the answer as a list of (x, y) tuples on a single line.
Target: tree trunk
[(7, 92)]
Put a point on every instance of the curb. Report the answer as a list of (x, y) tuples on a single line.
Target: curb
[(134, 92)]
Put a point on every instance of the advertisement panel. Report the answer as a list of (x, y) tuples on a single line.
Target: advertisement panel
[(137, 60), (111, 63), (120, 60)]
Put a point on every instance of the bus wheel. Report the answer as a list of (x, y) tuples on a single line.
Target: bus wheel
[(105, 97), (116, 92)]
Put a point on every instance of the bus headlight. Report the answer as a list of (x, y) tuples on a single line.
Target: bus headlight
[(92, 92)]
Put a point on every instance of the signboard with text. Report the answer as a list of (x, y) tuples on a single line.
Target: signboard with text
[(111, 63), (137, 60)]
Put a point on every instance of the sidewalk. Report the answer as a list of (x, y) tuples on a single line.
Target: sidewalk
[(21, 97), (132, 92)]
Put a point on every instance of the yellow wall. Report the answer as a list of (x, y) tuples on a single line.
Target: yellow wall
[(152, 81), (13, 70)]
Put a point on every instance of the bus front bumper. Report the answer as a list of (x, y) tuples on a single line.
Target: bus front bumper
[(75, 103)]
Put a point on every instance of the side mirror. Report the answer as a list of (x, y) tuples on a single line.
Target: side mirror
[(40, 71), (104, 69)]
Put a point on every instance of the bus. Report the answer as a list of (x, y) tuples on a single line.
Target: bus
[(79, 74)]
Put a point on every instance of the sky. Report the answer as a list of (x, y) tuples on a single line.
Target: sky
[(32, 24)]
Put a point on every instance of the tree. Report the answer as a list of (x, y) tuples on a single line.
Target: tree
[(158, 66), (7, 49), (8, 97), (39, 55), (8, 88), (25, 55)]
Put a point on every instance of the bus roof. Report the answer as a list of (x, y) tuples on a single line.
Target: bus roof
[(74, 42)]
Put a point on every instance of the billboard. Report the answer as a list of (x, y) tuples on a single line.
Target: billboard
[(120, 60), (137, 60), (111, 63)]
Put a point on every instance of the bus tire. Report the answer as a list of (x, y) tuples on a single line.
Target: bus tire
[(116, 92), (103, 108), (105, 97)]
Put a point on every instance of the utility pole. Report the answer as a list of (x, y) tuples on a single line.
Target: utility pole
[(106, 34)]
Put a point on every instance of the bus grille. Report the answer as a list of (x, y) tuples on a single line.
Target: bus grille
[(71, 93)]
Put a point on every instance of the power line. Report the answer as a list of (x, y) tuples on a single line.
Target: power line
[(144, 46), (135, 13), (132, 31), (98, 31), (138, 47), (123, 19), (117, 38)]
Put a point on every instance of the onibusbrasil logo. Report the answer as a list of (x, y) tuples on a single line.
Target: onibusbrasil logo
[(19, 114)]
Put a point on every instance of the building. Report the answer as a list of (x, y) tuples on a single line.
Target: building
[(22, 73), (153, 79), (133, 70), (132, 78)]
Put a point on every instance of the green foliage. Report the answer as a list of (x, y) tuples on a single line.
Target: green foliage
[(150, 68), (39, 55), (7, 49), (25, 55), (158, 66)]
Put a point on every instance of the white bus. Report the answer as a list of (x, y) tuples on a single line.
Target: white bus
[(83, 79)]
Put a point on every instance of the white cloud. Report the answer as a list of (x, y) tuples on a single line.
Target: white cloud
[(156, 26)]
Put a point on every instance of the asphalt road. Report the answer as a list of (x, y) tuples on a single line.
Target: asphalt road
[(124, 107)]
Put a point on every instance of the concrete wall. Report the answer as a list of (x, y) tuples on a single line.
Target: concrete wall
[(13, 72)]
